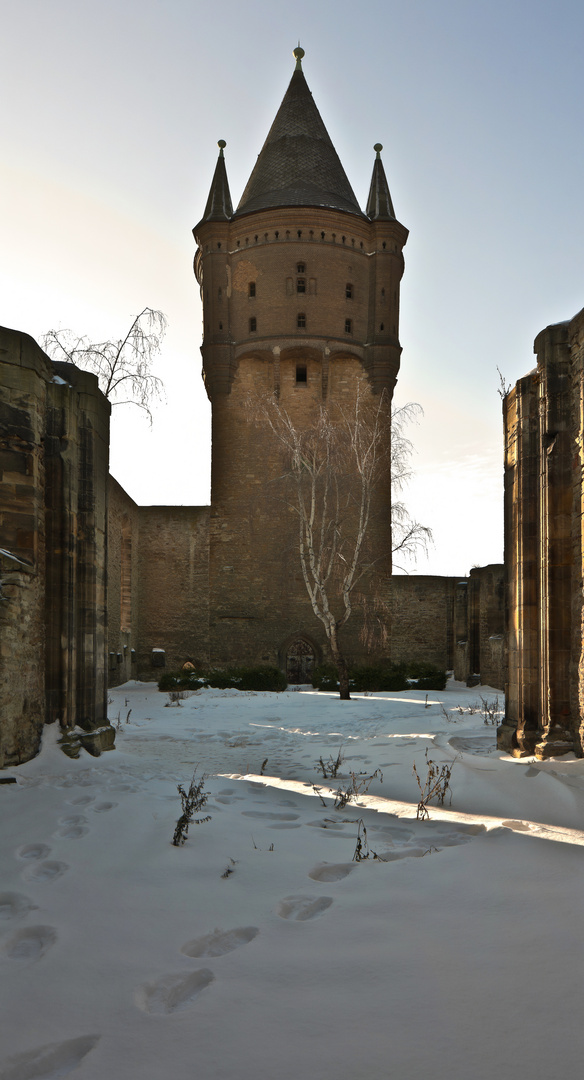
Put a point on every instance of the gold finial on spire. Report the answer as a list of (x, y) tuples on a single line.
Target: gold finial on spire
[(221, 144), (298, 53), (378, 148)]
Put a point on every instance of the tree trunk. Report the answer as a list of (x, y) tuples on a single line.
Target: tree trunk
[(343, 673)]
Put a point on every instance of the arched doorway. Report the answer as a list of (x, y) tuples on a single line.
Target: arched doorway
[(300, 660)]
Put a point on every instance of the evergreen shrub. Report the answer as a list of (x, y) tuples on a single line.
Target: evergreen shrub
[(382, 677), (244, 678)]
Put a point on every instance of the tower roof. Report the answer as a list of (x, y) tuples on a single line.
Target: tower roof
[(379, 204), (298, 164), (219, 206)]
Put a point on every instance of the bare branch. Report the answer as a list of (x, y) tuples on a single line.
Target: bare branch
[(128, 360)]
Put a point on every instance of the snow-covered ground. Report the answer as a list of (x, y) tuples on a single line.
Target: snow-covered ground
[(456, 955)]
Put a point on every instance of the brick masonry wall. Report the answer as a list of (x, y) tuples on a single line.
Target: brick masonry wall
[(422, 619), (173, 586)]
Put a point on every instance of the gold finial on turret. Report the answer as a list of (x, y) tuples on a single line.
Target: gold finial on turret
[(298, 53)]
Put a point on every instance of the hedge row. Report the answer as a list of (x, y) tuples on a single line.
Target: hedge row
[(404, 676), (243, 678)]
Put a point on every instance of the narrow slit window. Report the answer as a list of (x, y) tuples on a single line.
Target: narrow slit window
[(301, 374), (253, 324), (348, 326), (301, 321), (349, 291), (251, 289)]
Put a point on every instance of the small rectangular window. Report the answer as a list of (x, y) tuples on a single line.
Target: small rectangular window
[(251, 290), (349, 291), (300, 285), (301, 373), (253, 325), (348, 326), (301, 321)]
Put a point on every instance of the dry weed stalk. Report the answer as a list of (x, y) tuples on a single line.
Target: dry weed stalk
[(436, 786)]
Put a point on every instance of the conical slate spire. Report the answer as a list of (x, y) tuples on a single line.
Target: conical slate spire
[(379, 204), (219, 206), (298, 164)]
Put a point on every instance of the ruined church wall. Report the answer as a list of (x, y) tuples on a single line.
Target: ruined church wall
[(123, 588), (576, 338), (422, 619), (173, 587), (543, 548), (455, 623), (76, 473), (53, 465), (25, 372)]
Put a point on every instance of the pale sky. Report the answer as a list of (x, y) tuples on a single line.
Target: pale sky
[(109, 127)]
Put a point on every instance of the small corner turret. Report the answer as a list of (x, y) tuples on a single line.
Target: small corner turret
[(379, 204)]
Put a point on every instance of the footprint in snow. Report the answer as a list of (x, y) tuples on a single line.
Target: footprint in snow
[(14, 905), (326, 823), (103, 807), (33, 851), (82, 800), (220, 942), (49, 870), (30, 943), (72, 832), (302, 908), (173, 993), (48, 1061), (331, 871)]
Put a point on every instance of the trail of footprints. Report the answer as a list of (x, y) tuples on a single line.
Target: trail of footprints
[(177, 991), (30, 943)]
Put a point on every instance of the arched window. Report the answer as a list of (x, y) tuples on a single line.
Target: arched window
[(301, 321), (301, 268), (253, 324)]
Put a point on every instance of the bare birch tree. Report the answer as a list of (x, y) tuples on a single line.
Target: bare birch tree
[(123, 366), (409, 538), (335, 467)]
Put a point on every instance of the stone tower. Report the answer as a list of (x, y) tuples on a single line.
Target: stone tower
[(300, 296)]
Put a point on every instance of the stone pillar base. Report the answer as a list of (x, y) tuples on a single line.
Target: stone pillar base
[(516, 741), (556, 742)]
